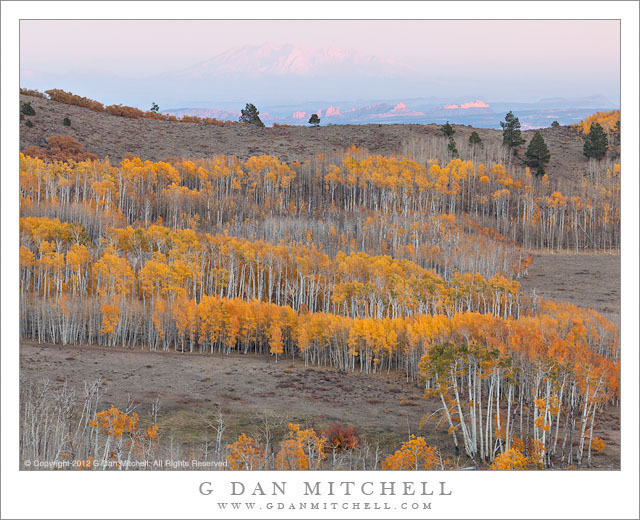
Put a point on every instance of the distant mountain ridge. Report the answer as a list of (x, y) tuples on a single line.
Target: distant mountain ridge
[(259, 73), (420, 111), (288, 59)]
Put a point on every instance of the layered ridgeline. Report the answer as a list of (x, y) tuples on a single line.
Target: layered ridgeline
[(356, 261)]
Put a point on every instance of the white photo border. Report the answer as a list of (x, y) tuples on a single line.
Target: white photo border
[(571, 494)]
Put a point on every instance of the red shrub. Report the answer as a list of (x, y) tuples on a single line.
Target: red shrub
[(61, 148), (342, 437)]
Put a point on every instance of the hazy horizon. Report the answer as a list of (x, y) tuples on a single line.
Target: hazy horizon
[(179, 63)]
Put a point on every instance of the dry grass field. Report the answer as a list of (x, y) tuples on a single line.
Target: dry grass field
[(247, 387), (113, 136), (384, 407), (587, 280)]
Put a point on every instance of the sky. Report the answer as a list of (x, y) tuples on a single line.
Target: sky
[(130, 61)]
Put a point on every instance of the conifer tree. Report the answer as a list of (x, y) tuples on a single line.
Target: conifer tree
[(537, 154), (596, 142), (615, 137), (474, 139), (511, 135), (452, 147), (447, 129), (251, 115)]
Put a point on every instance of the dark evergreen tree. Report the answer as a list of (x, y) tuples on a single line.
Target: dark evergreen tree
[(447, 129), (537, 154), (453, 149), (314, 120), (474, 139), (154, 108), (615, 138), (251, 115), (596, 142), (511, 135)]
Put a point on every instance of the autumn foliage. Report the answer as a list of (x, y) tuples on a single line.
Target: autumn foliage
[(245, 454), (607, 120), (358, 262), (62, 148), (68, 98), (342, 437), (301, 450), (512, 459), (415, 455)]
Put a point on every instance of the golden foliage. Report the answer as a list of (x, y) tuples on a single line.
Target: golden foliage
[(511, 459), (301, 450), (246, 454), (115, 422), (413, 455), (607, 121)]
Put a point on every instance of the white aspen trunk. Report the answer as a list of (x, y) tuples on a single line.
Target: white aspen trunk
[(463, 426), (451, 425)]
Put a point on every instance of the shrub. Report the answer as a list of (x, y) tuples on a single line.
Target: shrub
[(66, 121), (29, 123), (27, 109), (413, 455), (191, 119), (35, 151), (61, 148), (124, 111), (515, 459), (71, 99), (32, 93), (342, 437)]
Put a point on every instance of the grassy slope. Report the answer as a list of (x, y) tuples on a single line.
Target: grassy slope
[(104, 134)]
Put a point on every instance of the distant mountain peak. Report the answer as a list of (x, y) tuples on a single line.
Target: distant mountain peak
[(288, 59)]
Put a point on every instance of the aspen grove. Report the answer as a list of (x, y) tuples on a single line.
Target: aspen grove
[(354, 261)]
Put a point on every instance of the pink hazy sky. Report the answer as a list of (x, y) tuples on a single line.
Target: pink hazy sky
[(580, 56)]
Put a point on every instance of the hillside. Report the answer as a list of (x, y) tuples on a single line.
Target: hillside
[(108, 135), (336, 275)]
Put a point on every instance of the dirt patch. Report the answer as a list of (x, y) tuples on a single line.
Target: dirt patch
[(190, 386), (588, 280)]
